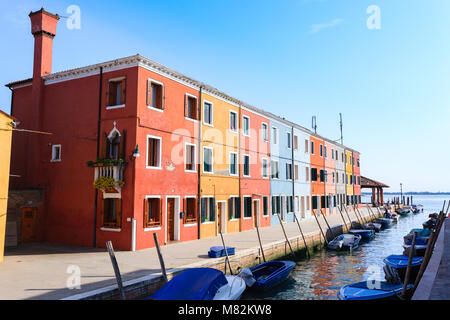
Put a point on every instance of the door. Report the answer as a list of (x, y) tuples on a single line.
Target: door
[(29, 216), (221, 217), (283, 207), (255, 213), (170, 219), (303, 207)]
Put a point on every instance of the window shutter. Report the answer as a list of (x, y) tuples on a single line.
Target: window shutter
[(119, 212), (149, 92), (212, 206), (145, 212), (238, 207), (109, 94), (186, 106), (124, 91), (203, 209), (163, 98), (122, 145), (102, 212), (230, 208)]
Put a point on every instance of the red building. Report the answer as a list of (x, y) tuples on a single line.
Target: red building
[(105, 125), (318, 176)]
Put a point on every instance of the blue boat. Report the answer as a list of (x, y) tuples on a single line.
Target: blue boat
[(373, 226), (201, 284), (270, 274), (366, 235), (344, 242), (385, 222), (365, 290), (219, 251), (400, 263)]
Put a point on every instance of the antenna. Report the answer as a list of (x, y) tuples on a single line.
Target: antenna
[(314, 124), (342, 137)]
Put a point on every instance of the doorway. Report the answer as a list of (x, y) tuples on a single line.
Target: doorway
[(28, 230), (173, 219), (256, 213), (221, 216)]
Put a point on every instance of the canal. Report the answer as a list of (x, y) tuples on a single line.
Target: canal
[(321, 276)]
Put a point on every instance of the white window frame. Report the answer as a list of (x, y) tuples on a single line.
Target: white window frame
[(161, 203), (266, 138), (212, 113), (163, 94), (275, 139), (212, 160), (237, 164), (160, 153), (117, 106), (268, 206), (195, 156), (289, 140), (243, 129), (278, 170), (208, 208), (243, 208), (54, 153), (196, 99), (266, 160), (236, 120), (190, 224), (243, 165)]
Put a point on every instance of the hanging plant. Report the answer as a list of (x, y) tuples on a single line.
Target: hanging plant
[(105, 162), (104, 183), (121, 183)]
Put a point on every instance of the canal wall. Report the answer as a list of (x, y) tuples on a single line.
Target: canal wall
[(146, 286)]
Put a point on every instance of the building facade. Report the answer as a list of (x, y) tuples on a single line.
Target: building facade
[(302, 173)]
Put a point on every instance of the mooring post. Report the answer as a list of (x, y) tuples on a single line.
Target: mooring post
[(342, 216), (359, 214), (226, 253), (329, 228), (320, 227), (112, 256), (285, 235), (408, 268), (426, 259), (301, 231), (371, 214), (260, 244), (160, 257), (348, 216)]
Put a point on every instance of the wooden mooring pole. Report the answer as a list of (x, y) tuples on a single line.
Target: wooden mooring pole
[(348, 216), (320, 227), (408, 268), (342, 216), (285, 235), (160, 257), (112, 256), (329, 228), (226, 254), (301, 232), (357, 210), (373, 214), (260, 244)]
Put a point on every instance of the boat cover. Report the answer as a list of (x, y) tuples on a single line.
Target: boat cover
[(401, 261), (192, 284)]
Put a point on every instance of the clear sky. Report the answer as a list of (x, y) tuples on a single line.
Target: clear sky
[(293, 58)]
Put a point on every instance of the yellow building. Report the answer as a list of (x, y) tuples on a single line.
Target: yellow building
[(219, 174), (5, 155), (349, 174)]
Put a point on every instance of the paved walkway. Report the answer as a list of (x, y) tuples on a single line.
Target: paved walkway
[(39, 271)]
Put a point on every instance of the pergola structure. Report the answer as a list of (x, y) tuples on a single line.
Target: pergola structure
[(377, 189)]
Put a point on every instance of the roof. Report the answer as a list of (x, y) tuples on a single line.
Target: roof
[(18, 83), (8, 115), (369, 183)]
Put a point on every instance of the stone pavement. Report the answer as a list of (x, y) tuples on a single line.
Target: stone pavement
[(39, 271)]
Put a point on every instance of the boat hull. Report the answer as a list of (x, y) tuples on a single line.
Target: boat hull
[(363, 291), (270, 274)]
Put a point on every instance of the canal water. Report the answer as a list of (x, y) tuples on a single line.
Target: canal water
[(321, 276)]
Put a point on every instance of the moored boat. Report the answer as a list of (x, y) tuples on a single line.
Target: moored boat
[(270, 274), (367, 290), (416, 208), (385, 222), (366, 235), (201, 284), (403, 211), (400, 263), (430, 223), (373, 226), (344, 242), (419, 248)]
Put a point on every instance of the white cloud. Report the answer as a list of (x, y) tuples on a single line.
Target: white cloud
[(315, 28)]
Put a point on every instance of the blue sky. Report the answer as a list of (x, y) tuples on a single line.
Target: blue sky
[(293, 58)]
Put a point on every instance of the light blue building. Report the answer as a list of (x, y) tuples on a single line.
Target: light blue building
[(302, 172)]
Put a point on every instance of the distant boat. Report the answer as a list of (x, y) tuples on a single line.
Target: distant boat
[(201, 284), (365, 290), (416, 208), (403, 211), (400, 263), (344, 242), (270, 274), (366, 235)]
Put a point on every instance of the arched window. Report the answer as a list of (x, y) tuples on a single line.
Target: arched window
[(112, 145)]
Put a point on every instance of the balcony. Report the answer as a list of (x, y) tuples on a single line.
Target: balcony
[(108, 175)]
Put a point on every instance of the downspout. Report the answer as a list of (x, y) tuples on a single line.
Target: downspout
[(98, 152), (199, 166), (241, 218), (12, 101)]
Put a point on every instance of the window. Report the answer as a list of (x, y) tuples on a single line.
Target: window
[(297, 204), (322, 202), (207, 160), (326, 153), (274, 135), (322, 176), (359, 180), (357, 162), (276, 204), (342, 156), (288, 171), (208, 113), (332, 154), (111, 213), (208, 212), (113, 146), (289, 204), (246, 125), (116, 92), (313, 174), (353, 160), (190, 208), (337, 177), (312, 147), (247, 207), (246, 166), (265, 133), (321, 150), (153, 152), (337, 158), (233, 163), (191, 107), (295, 142), (306, 145), (152, 212), (307, 174), (56, 152), (274, 169), (189, 157), (234, 208), (233, 121), (265, 171), (308, 203), (288, 136), (333, 177), (155, 94), (315, 202), (296, 171), (265, 206)]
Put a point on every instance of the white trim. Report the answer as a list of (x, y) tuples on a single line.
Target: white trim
[(176, 219), (275, 143), (151, 80), (115, 107), (195, 157), (288, 133), (111, 229), (187, 94), (152, 229), (188, 225), (117, 79), (212, 160), (224, 217), (268, 206), (160, 153), (203, 113), (236, 164), (111, 195), (243, 207), (54, 146), (243, 131), (236, 120), (243, 165), (268, 131), (267, 168)]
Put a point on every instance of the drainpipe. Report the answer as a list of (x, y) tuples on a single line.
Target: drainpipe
[(98, 151), (239, 167), (12, 101), (199, 166)]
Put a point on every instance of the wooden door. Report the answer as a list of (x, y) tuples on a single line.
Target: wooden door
[(303, 207), (220, 213), (28, 230), (170, 219), (255, 213)]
